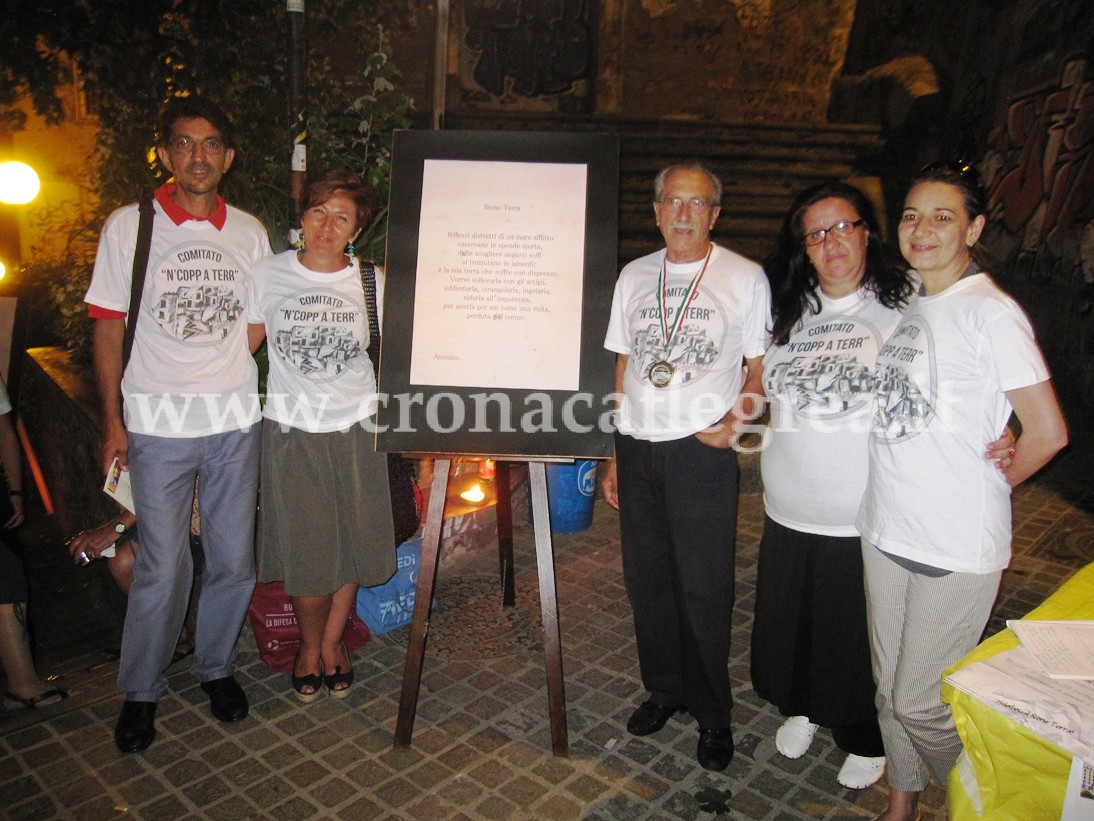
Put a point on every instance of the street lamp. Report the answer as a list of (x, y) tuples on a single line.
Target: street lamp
[(19, 183)]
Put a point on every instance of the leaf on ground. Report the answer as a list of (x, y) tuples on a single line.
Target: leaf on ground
[(715, 801)]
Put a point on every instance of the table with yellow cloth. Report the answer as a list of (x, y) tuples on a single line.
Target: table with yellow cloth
[(1020, 775)]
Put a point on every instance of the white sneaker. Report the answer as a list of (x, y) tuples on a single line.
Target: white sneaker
[(795, 736), (858, 773)]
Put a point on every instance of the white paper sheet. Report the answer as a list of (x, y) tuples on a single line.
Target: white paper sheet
[(1064, 648)]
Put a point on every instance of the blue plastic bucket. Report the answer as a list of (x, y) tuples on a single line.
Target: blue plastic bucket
[(570, 493)]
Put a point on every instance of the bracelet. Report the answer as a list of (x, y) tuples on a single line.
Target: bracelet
[(15, 493)]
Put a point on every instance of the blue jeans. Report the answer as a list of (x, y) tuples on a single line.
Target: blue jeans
[(163, 471)]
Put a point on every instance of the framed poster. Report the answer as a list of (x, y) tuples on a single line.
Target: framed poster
[(501, 263)]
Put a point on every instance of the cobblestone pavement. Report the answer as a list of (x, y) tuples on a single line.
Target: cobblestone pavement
[(481, 747)]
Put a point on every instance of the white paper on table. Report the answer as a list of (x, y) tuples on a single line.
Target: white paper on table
[(1064, 648), (117, 486), (1012, 683), (1079, 797)]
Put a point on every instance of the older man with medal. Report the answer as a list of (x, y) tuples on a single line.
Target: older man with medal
[(689, 326)]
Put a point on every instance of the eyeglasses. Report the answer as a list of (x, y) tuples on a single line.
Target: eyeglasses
[(694, 204), (186, 145), (843, 228)]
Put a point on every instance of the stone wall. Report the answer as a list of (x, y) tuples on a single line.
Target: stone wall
[(715, 60), (1014, 93)]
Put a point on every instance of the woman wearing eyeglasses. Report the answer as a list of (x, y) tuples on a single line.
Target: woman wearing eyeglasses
[(835, 298), (935, 518)]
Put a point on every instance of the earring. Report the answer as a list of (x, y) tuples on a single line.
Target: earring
[(350, 249)]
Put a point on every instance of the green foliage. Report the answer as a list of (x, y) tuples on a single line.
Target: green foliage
[(142, 52)]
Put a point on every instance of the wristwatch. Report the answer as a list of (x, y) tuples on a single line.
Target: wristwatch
[(120, 529)]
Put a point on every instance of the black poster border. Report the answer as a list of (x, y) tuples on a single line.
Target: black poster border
[(577, 423)]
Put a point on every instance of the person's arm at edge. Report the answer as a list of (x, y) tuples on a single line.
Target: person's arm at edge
[(11, 457), (609, 484), (106, 348), (1044, 431)]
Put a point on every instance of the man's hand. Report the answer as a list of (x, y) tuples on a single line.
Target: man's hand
[(721, 434), (749, 405), (115, 443), (609, 484)]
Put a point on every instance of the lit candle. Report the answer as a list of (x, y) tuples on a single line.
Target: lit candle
[(475, 494)]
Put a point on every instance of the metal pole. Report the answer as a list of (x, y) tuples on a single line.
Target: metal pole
[(298, 114), (440, 64)]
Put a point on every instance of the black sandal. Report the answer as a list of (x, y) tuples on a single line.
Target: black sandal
[(312, 680), (35, 702), (338, 683)]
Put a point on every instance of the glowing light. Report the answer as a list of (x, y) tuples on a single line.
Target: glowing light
[(3, 269), (19, 183), (474, 494)]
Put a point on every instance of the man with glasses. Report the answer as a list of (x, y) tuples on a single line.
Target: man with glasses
[(184, 405), (689, 327)]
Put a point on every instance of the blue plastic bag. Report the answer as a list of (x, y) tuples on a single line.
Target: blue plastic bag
[(390, 605)]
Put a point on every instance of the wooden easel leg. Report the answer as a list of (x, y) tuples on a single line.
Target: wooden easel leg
[(505, 532), (552, 637), (423, 598)]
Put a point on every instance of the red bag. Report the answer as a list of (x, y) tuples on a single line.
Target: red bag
[(277, 634)]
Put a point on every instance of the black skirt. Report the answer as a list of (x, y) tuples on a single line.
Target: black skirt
[(810, 642)]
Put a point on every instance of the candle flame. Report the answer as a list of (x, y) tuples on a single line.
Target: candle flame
[(474, 494)]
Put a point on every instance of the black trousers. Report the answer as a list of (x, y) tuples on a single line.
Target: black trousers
[(678, 517)]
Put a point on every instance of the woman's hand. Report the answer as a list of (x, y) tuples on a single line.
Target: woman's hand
[(1001, 451), (1044, 431)]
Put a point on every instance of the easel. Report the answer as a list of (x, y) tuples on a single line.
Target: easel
[(427, 577)]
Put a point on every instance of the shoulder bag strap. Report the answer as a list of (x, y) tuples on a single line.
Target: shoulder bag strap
[(140, 268), (368, 280)]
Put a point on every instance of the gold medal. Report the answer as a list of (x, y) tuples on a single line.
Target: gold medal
[(660, 374)]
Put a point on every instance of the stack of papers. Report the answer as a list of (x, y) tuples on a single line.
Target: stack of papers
[(1015, 684), (1065, 649)]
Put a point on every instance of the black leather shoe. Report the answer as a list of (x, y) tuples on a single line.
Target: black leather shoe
[(226, 698), (650, 717), (136, 726), (715, 749)]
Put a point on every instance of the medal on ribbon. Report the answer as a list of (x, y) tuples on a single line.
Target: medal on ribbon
[(660, 373)]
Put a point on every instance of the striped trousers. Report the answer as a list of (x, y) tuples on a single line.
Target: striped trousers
[(919, 626)]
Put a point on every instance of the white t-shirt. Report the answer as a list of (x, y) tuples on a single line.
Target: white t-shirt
[(931, 495), (317, 337), (190, 373), (821, 387), (725, 323)]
